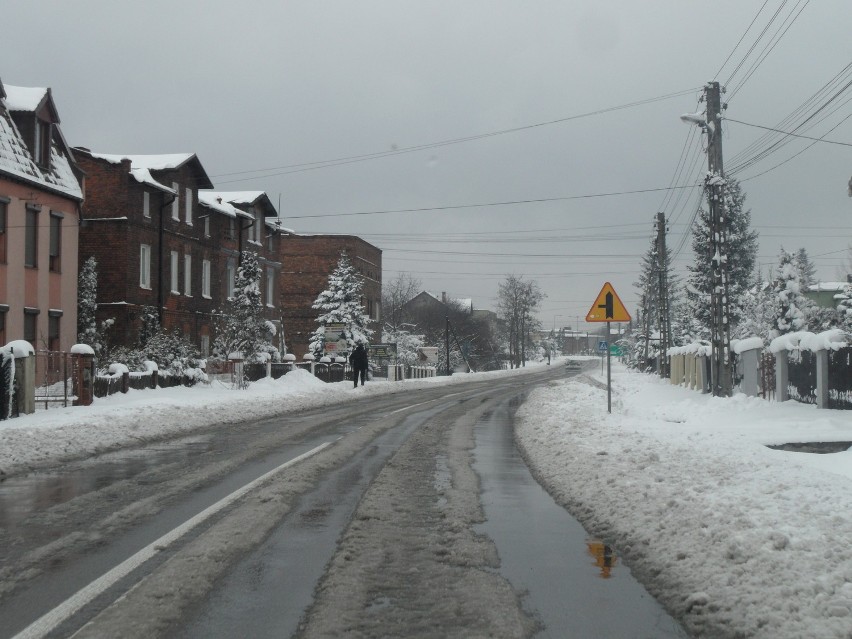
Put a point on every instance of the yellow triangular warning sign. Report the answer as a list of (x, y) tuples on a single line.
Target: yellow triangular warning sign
[(607, 307)]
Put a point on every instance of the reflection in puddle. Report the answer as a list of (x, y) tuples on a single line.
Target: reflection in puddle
[(575, 586), (604, 555)]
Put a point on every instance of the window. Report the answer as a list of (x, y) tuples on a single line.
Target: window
[(187, 275), (4, 210), (41, 148), (270, 286), (31, 238), (174, 272), (31, 325), (145, 266), (55, 241), (4, 308), (188, 207), (207, 225), (230, 274), (231, 233), (176, 202), (53, 318), (205, 278), (205, 345), (146, 204)]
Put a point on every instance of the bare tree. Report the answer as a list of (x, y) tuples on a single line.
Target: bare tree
[(395, 293), (517, 301)]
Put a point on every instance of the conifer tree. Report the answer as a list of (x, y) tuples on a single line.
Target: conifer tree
[(789, 303), (88, 331), (340, 303), (242, 327), (742, 255)]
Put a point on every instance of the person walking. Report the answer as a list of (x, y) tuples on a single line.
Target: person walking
[(359, 363)]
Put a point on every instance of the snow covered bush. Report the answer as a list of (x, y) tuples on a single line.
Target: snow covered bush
[(407, 343), (88, 331)]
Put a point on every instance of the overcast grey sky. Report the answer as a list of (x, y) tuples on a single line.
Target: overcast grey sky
[(271, 84)]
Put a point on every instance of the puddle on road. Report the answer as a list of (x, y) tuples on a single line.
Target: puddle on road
[(813, 447), (25, 494), (576, 586)]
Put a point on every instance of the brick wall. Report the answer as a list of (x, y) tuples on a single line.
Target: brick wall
[(307, 261)]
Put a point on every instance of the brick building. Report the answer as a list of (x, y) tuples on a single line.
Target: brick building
[(40, 197), (308, 260), (162, 243)]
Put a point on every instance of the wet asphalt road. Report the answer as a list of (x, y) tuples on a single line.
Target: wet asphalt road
[(57, 534)]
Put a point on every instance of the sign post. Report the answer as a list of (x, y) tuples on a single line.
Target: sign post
[(608, 308)]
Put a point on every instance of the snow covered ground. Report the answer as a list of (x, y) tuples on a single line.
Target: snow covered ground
[(737, 539)]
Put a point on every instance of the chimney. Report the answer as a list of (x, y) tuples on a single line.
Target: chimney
[(444, 296), (849, 278)]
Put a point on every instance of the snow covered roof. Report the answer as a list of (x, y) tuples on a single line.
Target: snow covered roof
[(25, 98), (150, 162), (834, 287), (212, 201), (16, 159), (258, 199), (141, 166), (241, 197)]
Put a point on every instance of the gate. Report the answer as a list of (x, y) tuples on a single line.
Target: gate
[(840, 379), (54, 387), (767, 375)]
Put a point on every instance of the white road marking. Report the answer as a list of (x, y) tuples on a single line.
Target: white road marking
[(67, 608), (399, 410)]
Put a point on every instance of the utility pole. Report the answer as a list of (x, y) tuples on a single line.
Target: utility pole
[(714, 185), (663, 283)]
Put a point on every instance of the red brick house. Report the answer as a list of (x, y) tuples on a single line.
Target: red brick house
[(161, 242), (307, 261), (252, 225), (40, 198)]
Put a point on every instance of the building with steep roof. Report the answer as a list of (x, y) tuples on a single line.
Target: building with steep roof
[(41, 191), (163, 239)]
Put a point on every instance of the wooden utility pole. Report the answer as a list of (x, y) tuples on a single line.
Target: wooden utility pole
[(714, 185), (663, 301)]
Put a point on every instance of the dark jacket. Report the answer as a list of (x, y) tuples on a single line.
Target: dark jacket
[(358, 358)]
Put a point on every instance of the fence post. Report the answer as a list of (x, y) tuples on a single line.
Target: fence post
[(83, 365), (702, 378), (782, 376), (822, 379), (24, 376)]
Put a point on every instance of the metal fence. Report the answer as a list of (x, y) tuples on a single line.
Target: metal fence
[(840, 379), (802, 376)]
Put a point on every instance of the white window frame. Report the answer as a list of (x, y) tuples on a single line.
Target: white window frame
[(176, 202), (174, 274), (270, 287), (188, 207), (207, 225), (187, 275), (230, 278), (145, 266), (146, 204), (205, 279)]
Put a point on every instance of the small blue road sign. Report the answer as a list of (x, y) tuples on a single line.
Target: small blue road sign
[(602, 346)]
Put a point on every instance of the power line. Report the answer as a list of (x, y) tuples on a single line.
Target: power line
[(795, 135), (321, 164), (739, 42), (487, 204)]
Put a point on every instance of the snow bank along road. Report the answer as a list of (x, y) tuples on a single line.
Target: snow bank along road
[(141, 549)]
